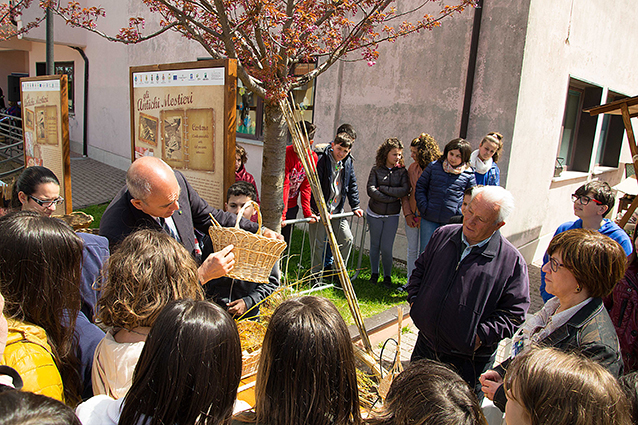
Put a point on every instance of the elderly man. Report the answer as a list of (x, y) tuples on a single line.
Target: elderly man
[(159, 198), (469, 288)]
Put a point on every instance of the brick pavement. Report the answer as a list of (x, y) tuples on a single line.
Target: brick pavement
[(93, 182)]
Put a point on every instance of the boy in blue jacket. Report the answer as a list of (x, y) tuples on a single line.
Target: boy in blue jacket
[(592, 202)]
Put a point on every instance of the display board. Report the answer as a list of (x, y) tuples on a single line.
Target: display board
[(45, 125), (184, 113)]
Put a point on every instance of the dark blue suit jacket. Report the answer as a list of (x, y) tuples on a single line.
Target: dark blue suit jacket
[(121, 218)]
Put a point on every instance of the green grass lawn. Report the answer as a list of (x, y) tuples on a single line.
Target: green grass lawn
[(373, 299), (96, 211)]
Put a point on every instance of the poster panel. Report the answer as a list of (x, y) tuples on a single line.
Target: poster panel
[(46, 130), (184, 113)]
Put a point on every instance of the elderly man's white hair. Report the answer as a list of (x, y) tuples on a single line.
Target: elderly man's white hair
[(499, 196)]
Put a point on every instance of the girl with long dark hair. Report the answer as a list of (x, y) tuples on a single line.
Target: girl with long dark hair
[(439, 190), (188, 372), (40, 262), (307, 372)]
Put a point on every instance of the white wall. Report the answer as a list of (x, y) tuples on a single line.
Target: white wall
[(590, 43), (62, 53)]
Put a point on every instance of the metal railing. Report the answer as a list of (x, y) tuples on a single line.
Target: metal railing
[(11, 144), (358, 228)]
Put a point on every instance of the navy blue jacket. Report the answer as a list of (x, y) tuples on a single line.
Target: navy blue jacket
[(439, 195), (94, 254), (349, 187), (224, 290), (485, 294)]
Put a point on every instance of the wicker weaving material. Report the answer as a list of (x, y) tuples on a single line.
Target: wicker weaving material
[(255, 255), (77, 220)]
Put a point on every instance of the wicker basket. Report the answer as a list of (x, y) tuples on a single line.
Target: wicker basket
[(255, 255), (250, 363), (78, 220)]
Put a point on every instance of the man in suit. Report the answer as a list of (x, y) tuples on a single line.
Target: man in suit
[(157, 197)]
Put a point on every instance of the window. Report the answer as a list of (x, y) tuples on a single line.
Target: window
[(250, 107), (611, 136), (250, 113), (305, 95), (579, 128), (67, 68)]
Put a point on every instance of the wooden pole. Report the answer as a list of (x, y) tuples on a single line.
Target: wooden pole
[(634, 157), (302, 146)]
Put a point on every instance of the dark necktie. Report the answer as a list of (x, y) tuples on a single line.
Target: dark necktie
[(168, 229)]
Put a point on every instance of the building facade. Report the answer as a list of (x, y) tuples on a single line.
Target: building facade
[(537, 64)]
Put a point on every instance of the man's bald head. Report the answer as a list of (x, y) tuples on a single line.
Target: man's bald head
[(153, 187), (144, 174)]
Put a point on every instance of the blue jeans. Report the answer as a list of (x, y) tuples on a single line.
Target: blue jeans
[(382, 233), (427, 229)]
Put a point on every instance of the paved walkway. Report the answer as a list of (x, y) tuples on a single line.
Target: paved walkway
[(93, 182)]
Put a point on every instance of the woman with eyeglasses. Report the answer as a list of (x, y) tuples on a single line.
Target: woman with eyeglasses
[(583, 267), (37, 189)]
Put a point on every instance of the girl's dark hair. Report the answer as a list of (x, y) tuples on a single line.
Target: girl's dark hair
[(28, 182), (385, 148), (427, 149), (429, 393), (307, 370), (189, 368), (25, 408), (40, 261), (458, 144)]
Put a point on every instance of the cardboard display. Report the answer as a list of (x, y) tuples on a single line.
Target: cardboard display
[(46, 130), (184, 113)]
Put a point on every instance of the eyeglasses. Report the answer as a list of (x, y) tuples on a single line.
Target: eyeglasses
[(47, 204), (554, 265), (584, 200)]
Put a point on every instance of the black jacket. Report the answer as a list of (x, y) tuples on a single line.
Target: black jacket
[(589, 332), (386, 187), (349, 186)]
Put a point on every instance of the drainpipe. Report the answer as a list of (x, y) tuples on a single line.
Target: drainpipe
[(49, 43), (85, 144), (471, 68)]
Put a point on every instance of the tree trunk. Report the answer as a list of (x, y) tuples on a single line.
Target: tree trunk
[(272, 166)]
